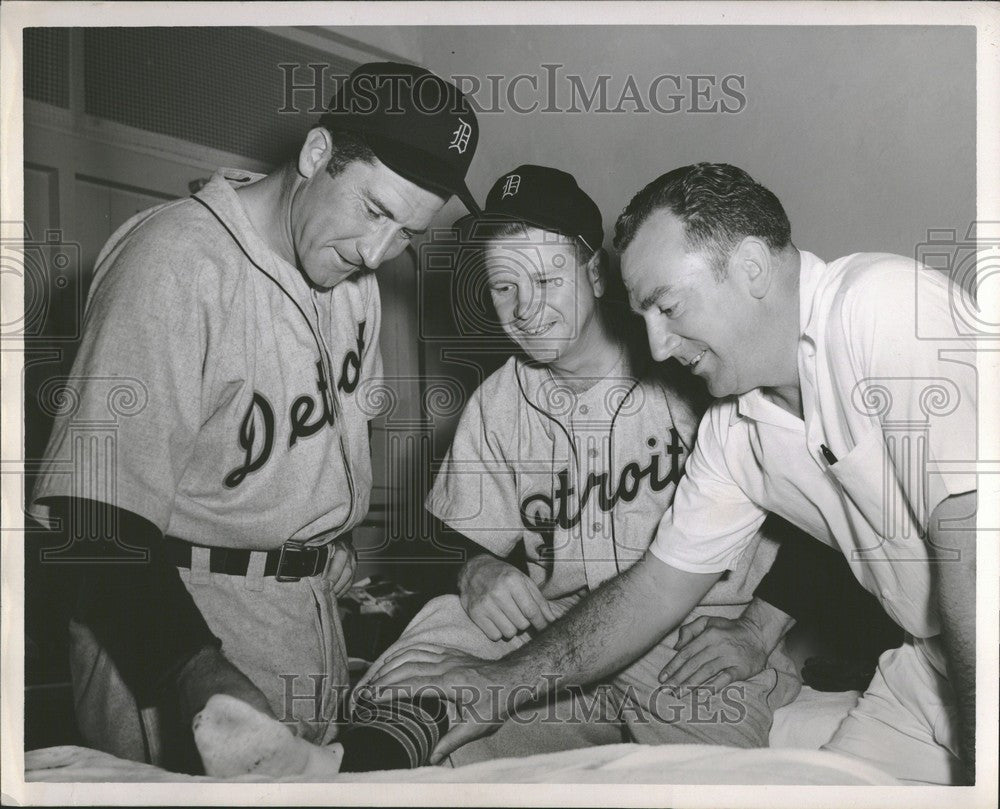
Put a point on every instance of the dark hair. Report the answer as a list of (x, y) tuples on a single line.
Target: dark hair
[(347, 147), (719, 205)]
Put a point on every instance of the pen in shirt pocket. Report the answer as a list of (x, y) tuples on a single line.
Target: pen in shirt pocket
[(827, 454)]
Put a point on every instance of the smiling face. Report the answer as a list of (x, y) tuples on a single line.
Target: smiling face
[(545, 298), (364, 215), (707, 324)]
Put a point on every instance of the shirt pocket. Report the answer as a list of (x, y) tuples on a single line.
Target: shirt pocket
[(864, 475)]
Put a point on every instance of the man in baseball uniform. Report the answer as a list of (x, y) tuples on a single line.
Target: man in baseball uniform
[(847, 404), (573, 449), (243, 326)]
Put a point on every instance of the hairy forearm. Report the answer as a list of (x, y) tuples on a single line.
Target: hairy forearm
[(587, 640), (956, 600), (613, 626)]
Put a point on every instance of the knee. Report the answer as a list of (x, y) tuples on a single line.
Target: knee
[(440, 612)]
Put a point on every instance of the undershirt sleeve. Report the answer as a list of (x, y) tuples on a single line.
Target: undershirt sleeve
[(140, 611)]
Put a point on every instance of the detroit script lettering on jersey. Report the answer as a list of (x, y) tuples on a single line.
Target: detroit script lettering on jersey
[(543, 513), (260, 414)]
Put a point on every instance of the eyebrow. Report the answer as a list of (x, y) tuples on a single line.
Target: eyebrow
[(385, 210), (653, 297)]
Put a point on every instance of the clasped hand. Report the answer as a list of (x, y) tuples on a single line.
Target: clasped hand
[(500, 599)]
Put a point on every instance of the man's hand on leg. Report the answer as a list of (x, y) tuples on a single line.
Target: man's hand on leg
[(725, 650)]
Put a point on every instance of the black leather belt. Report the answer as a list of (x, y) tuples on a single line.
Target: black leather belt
[(291, 562)]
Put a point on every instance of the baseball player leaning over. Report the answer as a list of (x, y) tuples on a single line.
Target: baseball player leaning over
[(576, 450), (845, 397), (249, 315)]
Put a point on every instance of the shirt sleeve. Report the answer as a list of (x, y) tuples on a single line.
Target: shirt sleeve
[(128, 414), (711, 522), (475, 492), (914, 371)]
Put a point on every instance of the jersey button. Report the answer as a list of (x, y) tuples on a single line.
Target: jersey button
[(584, 409), (592, 452), (597, 527)]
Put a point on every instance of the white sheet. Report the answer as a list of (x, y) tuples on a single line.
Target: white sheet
[(794, 758), (811, 720), (619, 763)]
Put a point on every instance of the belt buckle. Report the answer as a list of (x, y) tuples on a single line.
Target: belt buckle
[(295, 545)]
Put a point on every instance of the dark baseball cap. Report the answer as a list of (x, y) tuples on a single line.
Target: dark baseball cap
[(416, 123), (545, 197)]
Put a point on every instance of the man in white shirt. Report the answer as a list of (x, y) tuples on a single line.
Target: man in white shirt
[(846, 395)]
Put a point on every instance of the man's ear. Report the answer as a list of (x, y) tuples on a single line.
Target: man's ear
[(753, 261), (595, 272), (315, 152)]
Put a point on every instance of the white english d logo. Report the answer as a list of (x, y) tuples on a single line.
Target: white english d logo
[(510, 187), (460, 137)]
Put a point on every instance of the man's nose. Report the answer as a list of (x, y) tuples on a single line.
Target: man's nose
[(527, 304), (663, 343), (377, 247)]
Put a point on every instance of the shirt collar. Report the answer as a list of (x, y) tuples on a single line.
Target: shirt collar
[(545, 392), (219, 194), (811, 271), (754, 405)]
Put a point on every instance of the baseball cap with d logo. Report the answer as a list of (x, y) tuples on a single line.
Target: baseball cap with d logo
[(418, 124), (545, 197)]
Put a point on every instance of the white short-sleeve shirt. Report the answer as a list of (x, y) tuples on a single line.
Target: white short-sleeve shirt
[(889, 387)]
